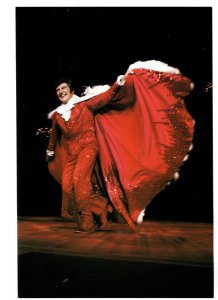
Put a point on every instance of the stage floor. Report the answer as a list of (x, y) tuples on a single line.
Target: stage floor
[(161, 260), (180, 243)]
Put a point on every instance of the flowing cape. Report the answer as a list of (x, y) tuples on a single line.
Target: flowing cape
[(144, 136)]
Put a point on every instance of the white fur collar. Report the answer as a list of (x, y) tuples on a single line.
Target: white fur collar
[(64, 109)]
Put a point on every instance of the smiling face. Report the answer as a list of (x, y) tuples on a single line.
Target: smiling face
[(64, 92)]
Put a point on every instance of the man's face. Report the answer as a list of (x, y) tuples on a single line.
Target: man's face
[(63, 92)]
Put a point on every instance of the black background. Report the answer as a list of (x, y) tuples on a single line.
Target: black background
[(94, 45)]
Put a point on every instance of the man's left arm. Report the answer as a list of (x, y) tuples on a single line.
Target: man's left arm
[(104, 98)]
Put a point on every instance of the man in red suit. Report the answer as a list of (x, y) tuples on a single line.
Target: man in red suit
[(144, 136), (75, 121)]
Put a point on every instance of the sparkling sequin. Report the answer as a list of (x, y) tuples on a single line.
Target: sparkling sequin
[(116, 194), (181, 127)]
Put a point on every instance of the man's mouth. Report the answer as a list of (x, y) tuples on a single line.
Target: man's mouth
[(63, 95)]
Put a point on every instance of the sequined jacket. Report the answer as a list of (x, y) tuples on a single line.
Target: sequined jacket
[(79, 130)]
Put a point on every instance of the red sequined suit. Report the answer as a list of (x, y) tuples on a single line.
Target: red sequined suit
[(144, 135), (81, 151)]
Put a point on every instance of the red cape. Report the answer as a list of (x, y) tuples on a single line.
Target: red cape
[(144, 135)]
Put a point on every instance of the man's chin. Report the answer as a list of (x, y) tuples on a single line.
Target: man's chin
[(63, 101)]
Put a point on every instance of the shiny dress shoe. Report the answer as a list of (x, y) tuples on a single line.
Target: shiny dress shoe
[(103, 216), (86, 221)]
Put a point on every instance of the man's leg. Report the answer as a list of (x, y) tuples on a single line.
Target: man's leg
[(85, 197), (68, 209)]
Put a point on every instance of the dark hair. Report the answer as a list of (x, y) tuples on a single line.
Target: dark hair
[(64, 80)]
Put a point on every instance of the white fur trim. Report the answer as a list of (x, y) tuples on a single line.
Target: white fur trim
[(51, 114), (121, 80), (140, 217), (176, 176), (190, 147), (186, 157), (64, 109), (192, 86), (50, 152), (155, 65), (66, 115), (70, 104), (94, 91)]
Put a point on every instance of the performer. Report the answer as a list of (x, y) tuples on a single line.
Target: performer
[(74, 118), (144, 134)]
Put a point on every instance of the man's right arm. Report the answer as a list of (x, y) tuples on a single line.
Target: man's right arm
[(52, 140)]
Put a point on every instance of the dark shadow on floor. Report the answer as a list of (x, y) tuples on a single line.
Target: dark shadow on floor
[(58, 276)]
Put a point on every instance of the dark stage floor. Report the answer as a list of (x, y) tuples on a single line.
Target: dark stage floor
[(162, 260)]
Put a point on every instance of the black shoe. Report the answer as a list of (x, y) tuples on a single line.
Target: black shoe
[(86, 221)]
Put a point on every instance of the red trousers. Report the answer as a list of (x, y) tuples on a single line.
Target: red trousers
[(77, 192)]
